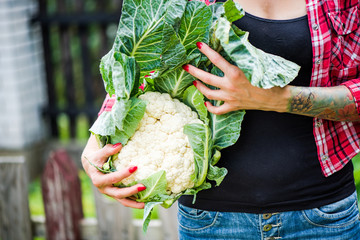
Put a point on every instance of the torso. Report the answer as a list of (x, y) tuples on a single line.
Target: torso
[(274, 9), (282, 173)]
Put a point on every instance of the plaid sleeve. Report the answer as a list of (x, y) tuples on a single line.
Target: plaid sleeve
[(107, 104), (354, 87)]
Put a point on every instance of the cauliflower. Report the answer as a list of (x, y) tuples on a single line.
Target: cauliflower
[(160, 144)]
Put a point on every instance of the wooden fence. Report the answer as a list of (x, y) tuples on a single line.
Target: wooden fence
[(76, 34)]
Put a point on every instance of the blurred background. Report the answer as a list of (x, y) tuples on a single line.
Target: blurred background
[(50, 93)]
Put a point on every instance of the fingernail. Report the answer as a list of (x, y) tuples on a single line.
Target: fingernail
[(205, 103), (195, 82), (146, 76), (132, 169), (142, 188), (185, 67), (116, 145), (199, 45), (152, 71)]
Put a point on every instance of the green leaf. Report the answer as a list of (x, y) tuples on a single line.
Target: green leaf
[(194, 99), (199, 136), (193, 191), (216, 157), (226, 128), (174, 53), (104, 125), (233, 11), (139, 32), (149, 206), (125, 76), (174, 13), (216, 174), (119, 111), (130, 122), (262, 69), (106, 72), (120, 124), (195, 25), (174, 82), (155, 187)]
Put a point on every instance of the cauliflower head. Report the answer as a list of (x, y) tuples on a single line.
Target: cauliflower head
[(160, 144)]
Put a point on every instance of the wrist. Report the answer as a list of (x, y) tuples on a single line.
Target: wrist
[(277, 99)]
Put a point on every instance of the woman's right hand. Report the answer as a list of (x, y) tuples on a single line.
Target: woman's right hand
[(104, 182)]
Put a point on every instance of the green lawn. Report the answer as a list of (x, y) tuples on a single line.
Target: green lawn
[(356, 162)]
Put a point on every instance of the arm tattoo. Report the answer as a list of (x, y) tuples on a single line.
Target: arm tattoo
[(332, 103)]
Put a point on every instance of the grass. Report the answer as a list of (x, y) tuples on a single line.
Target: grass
[(356, 163)]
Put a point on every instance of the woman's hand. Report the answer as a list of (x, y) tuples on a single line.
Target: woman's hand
[(235, 90), (331, 103), (104, 182)]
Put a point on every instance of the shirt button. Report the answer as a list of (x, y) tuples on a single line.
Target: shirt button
[(324, 157), (267, 227), (318, 61), (318, 124), (267, 216), (315, 26)]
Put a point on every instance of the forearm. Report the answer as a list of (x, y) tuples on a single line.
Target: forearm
[(331, 103)]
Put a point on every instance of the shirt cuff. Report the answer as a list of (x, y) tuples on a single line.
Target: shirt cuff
[(354, 87), (107, 104)]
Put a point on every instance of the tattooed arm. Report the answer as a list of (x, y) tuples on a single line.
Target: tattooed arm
[(331, 103), (235, 90)]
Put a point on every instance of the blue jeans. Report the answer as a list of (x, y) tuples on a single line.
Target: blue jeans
[(336, 221)]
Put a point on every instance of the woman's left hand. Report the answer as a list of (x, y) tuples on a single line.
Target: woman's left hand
[(234, 89)]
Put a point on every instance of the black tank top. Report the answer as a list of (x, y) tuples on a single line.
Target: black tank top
[(274, 164)]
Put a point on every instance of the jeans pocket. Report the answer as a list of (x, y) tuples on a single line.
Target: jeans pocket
[(193, 219), (334, 215)]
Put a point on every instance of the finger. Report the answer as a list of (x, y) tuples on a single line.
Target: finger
[(131, 203), (219, 110), (100, 180), (108, 150), (215, 57), (120, 193), (209, 93), (204, 76)]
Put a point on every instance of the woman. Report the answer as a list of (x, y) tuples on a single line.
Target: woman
[(290, 174)]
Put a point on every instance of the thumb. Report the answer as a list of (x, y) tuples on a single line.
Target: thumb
[(107, 151)]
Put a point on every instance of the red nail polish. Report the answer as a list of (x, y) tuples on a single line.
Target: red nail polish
[(116, 145), (195, 82), (205, 103), (142, 188), (185, 67), (199, 45), (146, 76), (132, 169)]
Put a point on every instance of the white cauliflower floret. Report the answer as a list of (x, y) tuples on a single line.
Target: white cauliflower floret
[(160, 144)]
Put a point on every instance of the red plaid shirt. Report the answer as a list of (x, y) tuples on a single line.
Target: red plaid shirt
[(335, 33)]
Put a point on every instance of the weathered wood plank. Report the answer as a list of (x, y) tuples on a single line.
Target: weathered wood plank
[(114, 220), (14, 207), (168, 218), (62, 197)]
